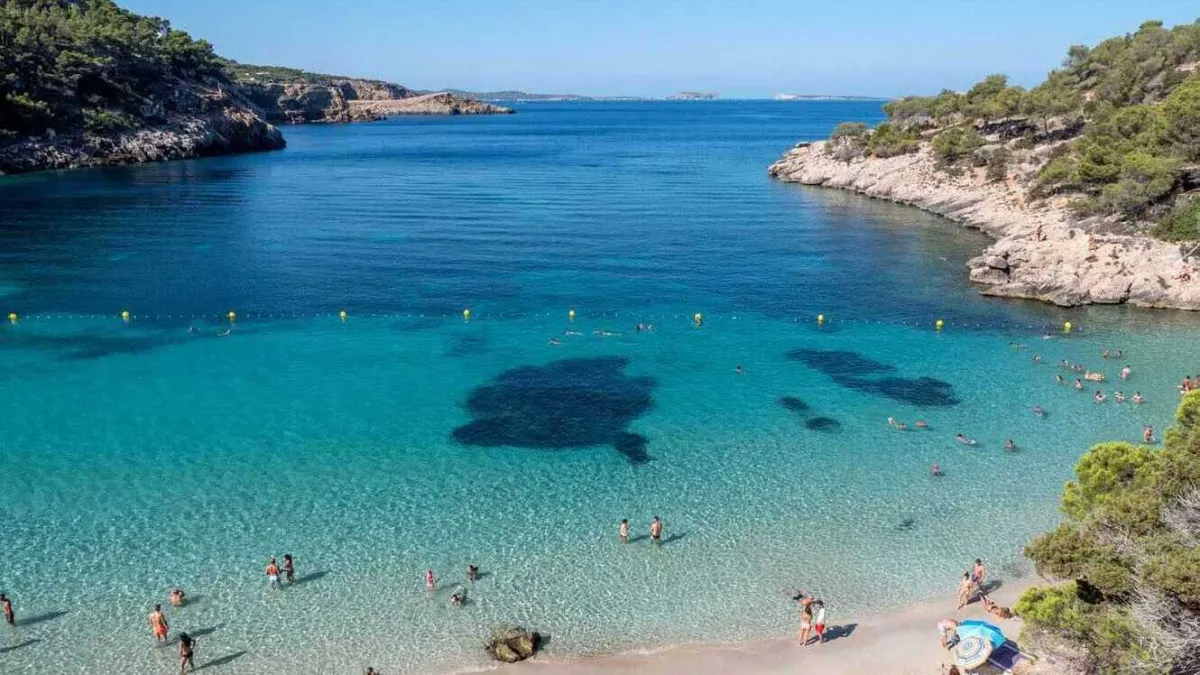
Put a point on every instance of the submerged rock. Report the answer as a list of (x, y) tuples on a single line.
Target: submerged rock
[(510, 644)]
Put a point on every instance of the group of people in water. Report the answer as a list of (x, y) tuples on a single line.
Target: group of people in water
[(458, 598), (656, 530)]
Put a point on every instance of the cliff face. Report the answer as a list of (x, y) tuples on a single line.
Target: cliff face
[(1041, 252), (352, 100), (193, 120)]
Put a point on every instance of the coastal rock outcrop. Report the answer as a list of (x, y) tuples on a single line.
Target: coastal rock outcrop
[(512, 644), (328, 99), (196, 120), (1041, 250)]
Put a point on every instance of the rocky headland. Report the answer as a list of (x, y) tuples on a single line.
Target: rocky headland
[(304, 98), (1042, 250)]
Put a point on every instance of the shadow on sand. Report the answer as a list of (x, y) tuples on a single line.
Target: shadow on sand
[(27, 643), (40, 618), (224, 660), (312, 576)]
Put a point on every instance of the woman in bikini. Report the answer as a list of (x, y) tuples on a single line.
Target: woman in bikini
[(806, 621), (187, 650)]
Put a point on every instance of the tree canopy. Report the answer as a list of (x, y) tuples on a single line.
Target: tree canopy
[(1130, 548), (67, 65)]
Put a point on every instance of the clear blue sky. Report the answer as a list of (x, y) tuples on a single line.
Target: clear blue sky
[(655, 47)]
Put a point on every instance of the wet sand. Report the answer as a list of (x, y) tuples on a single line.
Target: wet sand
[(899, 643)]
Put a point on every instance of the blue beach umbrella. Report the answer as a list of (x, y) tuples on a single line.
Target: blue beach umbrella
[(972, 652), (983, 629)]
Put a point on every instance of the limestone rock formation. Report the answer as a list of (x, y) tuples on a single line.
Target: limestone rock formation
[(1041, 250), (512, 644), (328, 99)]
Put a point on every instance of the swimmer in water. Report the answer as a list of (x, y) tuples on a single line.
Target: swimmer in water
[(963, 439), (430, 582), (1137, 397), (891, 421), (472, 573), (572, 333), (1058, 379), (1078, 385), (935, 471), (739, 370), (1104, 354), (922, 424), (1009, 446), (1148, 435), (177, 597), (192, 330), (1039, 411), (1126, 372), (1119, 396), (555, 342), (1064, 365), (901, 426), (1098, 397), (226, 332), (1119, 354), (1037, 359), (458, 597), (623, 531)]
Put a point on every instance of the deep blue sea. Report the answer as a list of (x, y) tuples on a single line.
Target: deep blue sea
[(182, 449)]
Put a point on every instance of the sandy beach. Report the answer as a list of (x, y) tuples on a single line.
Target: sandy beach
[(898, 643)]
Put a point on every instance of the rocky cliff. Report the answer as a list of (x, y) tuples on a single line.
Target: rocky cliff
[(330, 99), (1041, 251), (193, 120)]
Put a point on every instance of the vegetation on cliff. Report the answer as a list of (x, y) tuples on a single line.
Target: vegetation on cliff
[(88, 65), (1125, 116), (1130, 548)]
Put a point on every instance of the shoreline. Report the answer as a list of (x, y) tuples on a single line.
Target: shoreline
[(1041, 252), (900, 642)]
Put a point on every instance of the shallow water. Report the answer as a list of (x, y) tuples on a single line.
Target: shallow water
[(139, 457)]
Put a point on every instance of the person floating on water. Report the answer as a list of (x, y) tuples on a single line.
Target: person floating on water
[(922, 424), (963, 439), (1039, 411), (623, 531), (935, 471), (555, 342), (226, 332), (158, 624), (656, 529), (272, 573)]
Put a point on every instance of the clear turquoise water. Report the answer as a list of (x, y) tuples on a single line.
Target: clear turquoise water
[(138, 457)]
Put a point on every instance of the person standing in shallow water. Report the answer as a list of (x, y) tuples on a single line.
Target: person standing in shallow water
[(10, 617), (624, 531), (187, 652), (964, 590), (289, 569), (273, 575), (430, 582), (656, 528), (158, 624)]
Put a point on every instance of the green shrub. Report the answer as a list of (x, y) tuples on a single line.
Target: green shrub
[(955, 143), (889, 141), (1182, 224), (849, 130), (1143, 180)]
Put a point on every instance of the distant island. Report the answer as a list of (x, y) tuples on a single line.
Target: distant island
[(825, 97), (1089, 182), (87, 83), (694, 96)]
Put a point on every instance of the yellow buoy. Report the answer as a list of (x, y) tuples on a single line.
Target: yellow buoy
[(232, 315), (940, 324), (467, 314), (571, 315), (820, 319), (698, 319), (125, 316), (12, 317), (1067, 327), (342, 315)]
